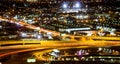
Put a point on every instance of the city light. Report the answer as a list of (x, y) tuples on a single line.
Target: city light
[(100, 49), (77, 5), (39, 37), (56, 50), (37, 28), (0, 27), (32, 0), (31, 60), (65, 5), (23, 34)]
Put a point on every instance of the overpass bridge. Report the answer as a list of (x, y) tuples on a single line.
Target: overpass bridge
[(95, 38), (29, 44), (65, 40)]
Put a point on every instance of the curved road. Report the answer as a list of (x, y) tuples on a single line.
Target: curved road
[(57, 45)]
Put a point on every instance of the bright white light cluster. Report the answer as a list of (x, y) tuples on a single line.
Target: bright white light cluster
[(76, 5), (65, 5)]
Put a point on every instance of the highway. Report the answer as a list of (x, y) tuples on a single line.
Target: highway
[(55, 44), (49, 45), (29, 26)]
